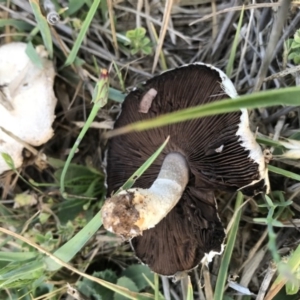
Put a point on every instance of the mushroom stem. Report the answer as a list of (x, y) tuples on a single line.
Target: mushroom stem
[(132, 211)]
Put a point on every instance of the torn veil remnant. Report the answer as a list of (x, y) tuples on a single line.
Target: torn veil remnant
[(146, 101), (170, 214), (27, 101)]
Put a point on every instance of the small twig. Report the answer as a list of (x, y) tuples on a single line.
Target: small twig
[(24, 144), (5, 100), (277, 130), (198, 283), (283, 73), (218, 44), (245, 46), (267, 280), (214, 19), (287, 32), (166, 287), (113, 27), (251, 268), (138, 11), (155, 21), (7, 27), (235, 8), (207, 284), (184, 282), (254, 249), (174, 294), (277, 114), (274, 37), (162, 33)]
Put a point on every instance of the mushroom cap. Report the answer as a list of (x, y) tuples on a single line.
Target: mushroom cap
[(221, 153), (29, 92)]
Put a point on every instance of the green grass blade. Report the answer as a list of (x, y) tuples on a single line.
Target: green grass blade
[(18, 24), (74, 6), (16, 256), (284, 172), (153, 286), (29, 270), (43, 26), (120, 77), (33, 55), (82, 33), (163, 62), (190, 294), (75, 244), (229, 66), (221, 280), (100, 97), (34, 269), (269, 142), (116, 95), (286, 96), (293, 263), (137, 174), (156, 287)]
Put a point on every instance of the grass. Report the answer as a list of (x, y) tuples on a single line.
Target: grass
[(288, 96), (99, 99), (226, 257), (36, 241), (83, 30), (43, 26)]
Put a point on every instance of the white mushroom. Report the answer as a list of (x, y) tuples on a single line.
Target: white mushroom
[(27, 101)]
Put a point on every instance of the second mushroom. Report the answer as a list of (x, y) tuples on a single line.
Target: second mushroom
[(170, 214)]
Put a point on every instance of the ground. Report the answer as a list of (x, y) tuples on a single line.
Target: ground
[(256, 45)]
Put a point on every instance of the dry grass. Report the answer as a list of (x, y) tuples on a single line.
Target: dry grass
[(185, 31)]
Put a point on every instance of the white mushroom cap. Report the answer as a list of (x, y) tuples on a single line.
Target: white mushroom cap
[(27, 101)]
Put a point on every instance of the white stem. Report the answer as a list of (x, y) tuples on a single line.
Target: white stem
[(131, 212)]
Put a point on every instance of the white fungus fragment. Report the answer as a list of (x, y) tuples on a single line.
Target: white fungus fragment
[(146, 101), (27, 101), (219, 149)]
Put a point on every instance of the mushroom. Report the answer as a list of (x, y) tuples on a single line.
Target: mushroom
[(27, 101), (170, 215)]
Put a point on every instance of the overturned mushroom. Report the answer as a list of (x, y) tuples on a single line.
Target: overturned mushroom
[(27, 101), (172, 216)]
